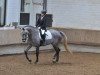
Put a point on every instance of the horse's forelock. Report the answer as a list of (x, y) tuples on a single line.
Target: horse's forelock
[(24, 30)]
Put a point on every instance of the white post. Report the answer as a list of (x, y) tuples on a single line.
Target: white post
[(2, 11), (13, 11)]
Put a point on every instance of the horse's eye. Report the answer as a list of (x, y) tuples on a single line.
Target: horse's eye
[(23, 34)]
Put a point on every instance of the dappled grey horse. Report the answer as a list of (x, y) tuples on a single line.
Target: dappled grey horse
[(32, 36)]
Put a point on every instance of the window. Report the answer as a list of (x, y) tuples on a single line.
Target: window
[(24, 18)]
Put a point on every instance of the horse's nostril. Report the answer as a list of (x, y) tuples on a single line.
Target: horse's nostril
[(23, 40)]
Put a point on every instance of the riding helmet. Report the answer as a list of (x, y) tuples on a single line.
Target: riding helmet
[(43, 11)]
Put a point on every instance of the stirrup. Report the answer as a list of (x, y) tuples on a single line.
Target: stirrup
[(42, 42)]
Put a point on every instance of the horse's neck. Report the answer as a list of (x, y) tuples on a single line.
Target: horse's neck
[(33, 32), (30, 38)]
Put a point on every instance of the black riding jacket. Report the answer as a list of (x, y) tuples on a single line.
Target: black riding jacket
[(42, 23)]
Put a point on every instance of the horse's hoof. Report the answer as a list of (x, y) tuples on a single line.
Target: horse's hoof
[(53, 58), (35, 62), (30, 61), (54, 62)]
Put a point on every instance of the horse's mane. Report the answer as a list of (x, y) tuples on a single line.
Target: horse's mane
[(29, 26), (32, 30)]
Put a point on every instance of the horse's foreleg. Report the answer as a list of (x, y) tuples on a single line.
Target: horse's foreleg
[(37, 55), (26, 53), (58, 50), (56, 54)]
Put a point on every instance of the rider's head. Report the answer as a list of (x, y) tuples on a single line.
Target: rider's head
[(43, 12)]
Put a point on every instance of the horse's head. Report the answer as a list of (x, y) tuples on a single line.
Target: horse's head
[(25, 34), (28, 32)]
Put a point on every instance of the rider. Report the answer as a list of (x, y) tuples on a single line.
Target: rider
[(41, 23)]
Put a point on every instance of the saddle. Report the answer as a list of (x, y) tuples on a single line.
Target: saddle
[(48, 34)]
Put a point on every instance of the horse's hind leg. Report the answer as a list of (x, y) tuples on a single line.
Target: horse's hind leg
[(26, 53), (37, 55), (56, 54)]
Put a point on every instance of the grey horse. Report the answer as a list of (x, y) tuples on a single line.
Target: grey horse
[(31, 35)]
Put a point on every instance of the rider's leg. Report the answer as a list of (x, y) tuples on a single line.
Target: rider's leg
[(43, 35)]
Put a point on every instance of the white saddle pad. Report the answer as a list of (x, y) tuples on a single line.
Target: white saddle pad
[(48, 35)]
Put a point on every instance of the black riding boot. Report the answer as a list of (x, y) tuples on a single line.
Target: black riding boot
[(43, 38)]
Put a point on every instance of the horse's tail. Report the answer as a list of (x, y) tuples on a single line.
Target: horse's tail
[(64, 41)]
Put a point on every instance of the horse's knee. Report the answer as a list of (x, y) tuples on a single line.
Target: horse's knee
[(25, 52), (59, 49)]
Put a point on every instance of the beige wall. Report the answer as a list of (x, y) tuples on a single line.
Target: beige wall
[(10, 36), (82, 36), (10, 40), (76, 36)]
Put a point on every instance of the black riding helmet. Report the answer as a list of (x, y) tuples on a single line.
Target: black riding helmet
[(43, 11)]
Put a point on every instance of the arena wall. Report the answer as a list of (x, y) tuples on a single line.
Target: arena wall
[(81, 40)]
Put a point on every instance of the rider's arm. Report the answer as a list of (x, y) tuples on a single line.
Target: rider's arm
[(37, 22), (45, 23)]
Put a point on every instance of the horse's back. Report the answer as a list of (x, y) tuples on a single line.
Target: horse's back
[(55, 32)]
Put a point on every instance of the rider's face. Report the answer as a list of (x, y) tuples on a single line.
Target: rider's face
[(42, 14)]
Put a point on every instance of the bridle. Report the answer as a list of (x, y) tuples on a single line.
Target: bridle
[(25, 35)]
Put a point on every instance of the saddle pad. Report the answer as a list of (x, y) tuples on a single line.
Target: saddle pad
[(48, 35)]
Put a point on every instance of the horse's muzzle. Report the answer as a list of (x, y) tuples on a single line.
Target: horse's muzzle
[(23, 40)]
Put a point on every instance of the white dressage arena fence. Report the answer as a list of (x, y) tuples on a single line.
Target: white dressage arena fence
[(79, 40)]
